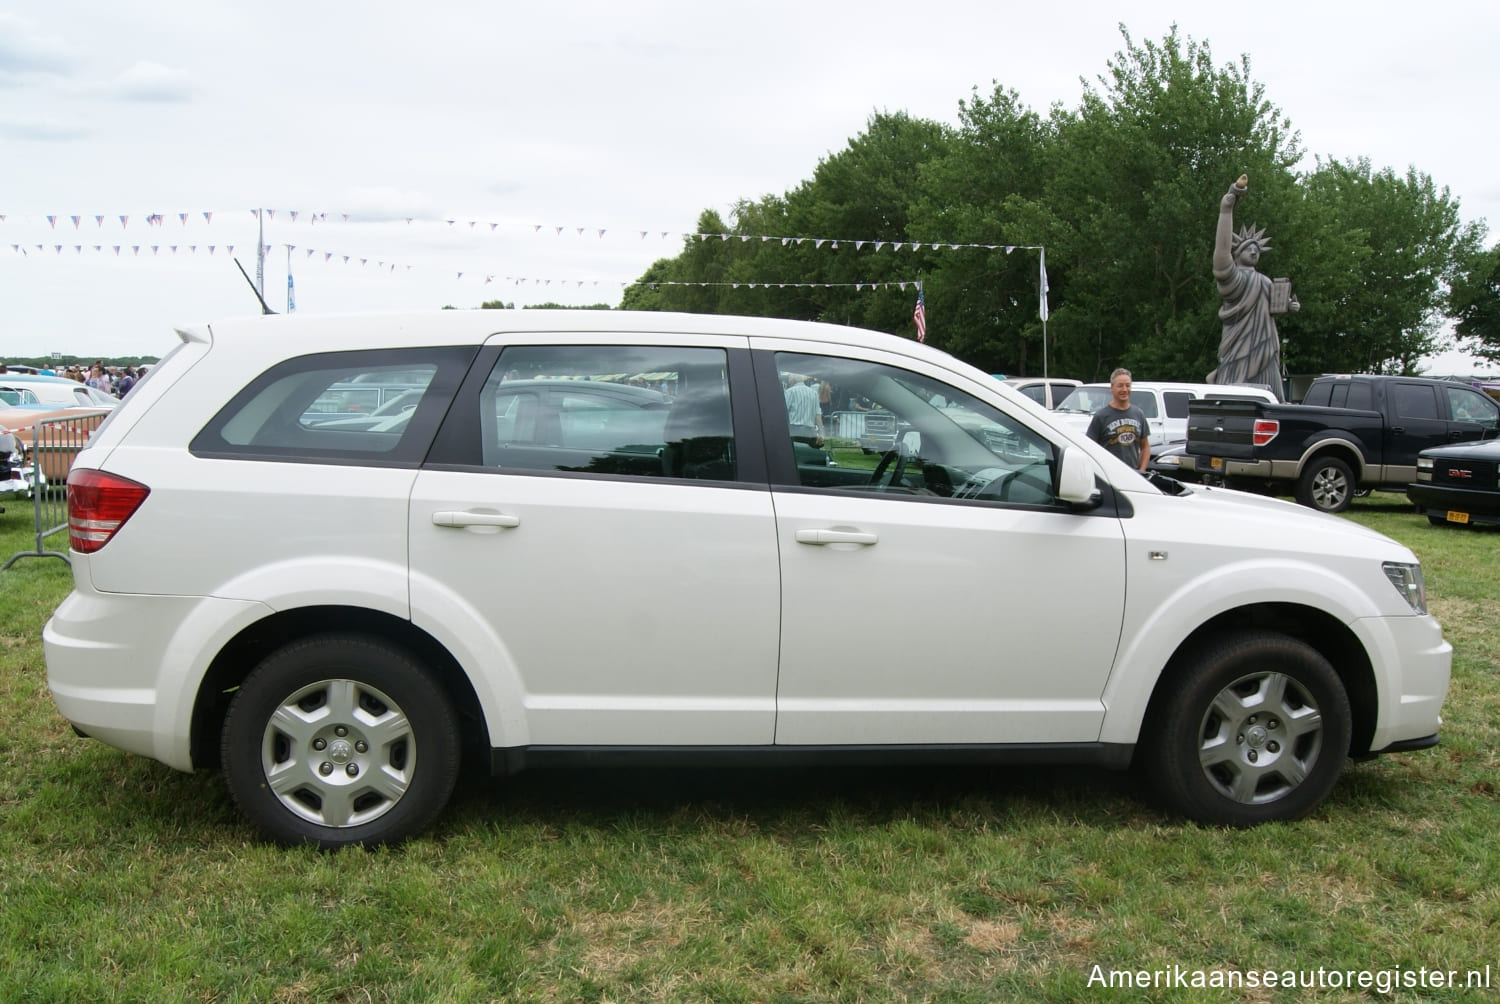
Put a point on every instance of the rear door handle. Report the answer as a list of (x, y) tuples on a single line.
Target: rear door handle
[(835, 537), (450, 517)]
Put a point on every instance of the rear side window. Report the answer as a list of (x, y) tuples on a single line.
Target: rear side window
[(641, 411), (379, 407), (1416, 401), (1176, 403)]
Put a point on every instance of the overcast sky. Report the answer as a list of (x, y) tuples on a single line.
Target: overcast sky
[(605, 120)]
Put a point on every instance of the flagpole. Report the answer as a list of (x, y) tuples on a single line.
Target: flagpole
[(260, 254), (1042, 309)]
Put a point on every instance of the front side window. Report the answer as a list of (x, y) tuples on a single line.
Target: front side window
[(1470, 406), (906, 434), (644, 411)]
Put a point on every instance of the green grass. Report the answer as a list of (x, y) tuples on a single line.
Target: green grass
[(121, 880)]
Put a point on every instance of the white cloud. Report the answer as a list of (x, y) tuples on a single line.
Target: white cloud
[(44, 131), (24, 49), (148, 81)]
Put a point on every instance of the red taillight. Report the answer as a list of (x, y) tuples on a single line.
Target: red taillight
[(99, 503), (1265, 430)]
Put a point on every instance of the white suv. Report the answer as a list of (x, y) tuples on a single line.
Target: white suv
[(591, 537)]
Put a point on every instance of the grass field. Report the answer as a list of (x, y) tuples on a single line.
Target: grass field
[(121, 880)]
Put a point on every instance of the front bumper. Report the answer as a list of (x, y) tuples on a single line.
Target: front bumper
[(1440, 500)]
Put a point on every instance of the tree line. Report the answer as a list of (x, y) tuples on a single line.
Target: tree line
[(1123, 194)]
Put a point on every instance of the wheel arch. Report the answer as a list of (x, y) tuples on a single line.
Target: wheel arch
[(248, 648), (1338, 449), (1321, 631)]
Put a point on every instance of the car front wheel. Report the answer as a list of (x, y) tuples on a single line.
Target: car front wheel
[(1252, 728), (338, 740)]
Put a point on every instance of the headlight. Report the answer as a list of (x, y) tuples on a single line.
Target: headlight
[(1170, 460), (1424, 468), (1408, 582)]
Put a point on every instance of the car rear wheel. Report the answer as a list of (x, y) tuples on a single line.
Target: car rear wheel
[(340, 739), (1251, 728), (1327, 484)]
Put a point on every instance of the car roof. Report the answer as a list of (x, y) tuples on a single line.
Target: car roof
[(440, 327)]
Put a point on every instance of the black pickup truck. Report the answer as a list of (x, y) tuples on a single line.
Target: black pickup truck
[(1349, 433)]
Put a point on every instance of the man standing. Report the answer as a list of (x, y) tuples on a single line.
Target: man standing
[(802, 412), (1120, 427)]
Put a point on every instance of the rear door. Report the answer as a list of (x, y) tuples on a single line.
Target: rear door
[(594, 533), (1416, 418)]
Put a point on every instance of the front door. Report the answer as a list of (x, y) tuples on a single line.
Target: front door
[(940, 593)]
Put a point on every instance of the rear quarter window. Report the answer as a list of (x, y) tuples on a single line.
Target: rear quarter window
[(379, 407)]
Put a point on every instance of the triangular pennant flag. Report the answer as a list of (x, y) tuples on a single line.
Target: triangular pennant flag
[(208, 216), (98, 220), (183, 217)]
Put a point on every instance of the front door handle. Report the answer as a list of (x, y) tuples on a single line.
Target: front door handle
[(835, 537), (449, 517)]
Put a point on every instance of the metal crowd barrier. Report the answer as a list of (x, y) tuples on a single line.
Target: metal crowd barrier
[(54, 442)]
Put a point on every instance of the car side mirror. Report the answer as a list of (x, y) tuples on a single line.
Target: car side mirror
[(1075, 479)]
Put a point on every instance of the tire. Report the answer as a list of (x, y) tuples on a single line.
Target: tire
[(340, 739), (1326, 484), (1252, 728)]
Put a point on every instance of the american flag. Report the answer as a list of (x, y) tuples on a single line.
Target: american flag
[(919, 315)]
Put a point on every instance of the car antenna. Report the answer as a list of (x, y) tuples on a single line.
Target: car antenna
[(265, 308)]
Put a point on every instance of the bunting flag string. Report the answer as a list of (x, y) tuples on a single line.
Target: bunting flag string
[(181, 220), (320, 256)]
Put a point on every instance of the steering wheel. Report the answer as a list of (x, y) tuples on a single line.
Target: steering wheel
[(899, 454)]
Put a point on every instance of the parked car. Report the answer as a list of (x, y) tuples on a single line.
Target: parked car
[(48, 457), (1165, 405), (1349, 433), (336, 616), (1458, 484), (59, 392), (1048, 392)]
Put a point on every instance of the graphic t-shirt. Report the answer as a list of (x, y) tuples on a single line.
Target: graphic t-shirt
[(1120, 431)]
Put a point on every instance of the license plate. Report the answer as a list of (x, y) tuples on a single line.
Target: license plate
[(1216, 463), (1457, 517)]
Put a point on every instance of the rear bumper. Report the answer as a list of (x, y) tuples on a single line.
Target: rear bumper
[(1270, 470), (121, 666)]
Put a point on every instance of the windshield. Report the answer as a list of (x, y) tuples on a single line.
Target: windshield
[(1088, 400)]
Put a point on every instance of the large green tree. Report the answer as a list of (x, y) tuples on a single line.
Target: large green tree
[(1123, 192), (1475, 302), (1374, 268)]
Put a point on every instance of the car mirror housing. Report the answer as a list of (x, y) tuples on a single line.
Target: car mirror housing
[(1075, 480)]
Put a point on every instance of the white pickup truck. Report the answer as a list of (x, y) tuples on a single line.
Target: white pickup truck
[(1165, 405)]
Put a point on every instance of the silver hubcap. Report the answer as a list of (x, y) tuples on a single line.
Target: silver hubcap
[(1330, 489), (338, 753), (1260, 738)]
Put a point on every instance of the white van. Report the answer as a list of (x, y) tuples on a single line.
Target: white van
[(1165, 405)]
